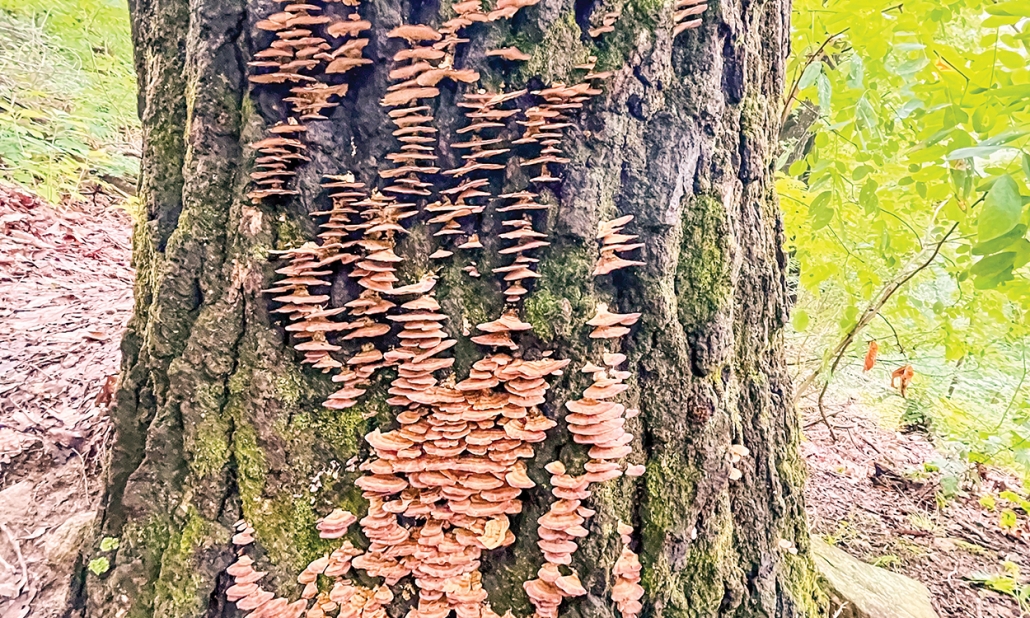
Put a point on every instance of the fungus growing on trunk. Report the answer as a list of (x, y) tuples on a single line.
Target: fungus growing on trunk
[(443, 479)]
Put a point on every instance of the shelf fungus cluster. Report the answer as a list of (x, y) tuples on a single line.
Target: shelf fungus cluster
[(445, 476), (627, 591), (687, 15), (613, 244), (607, 24), (457, 210), (597, 422), (545, 122), (308, 48)]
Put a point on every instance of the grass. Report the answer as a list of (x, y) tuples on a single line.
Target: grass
[(67, 96)]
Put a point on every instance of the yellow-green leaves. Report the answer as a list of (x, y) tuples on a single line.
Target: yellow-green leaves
[(1001, 211), (1012, 8)]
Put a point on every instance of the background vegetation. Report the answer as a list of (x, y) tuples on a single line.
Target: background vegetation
[(67, 96), (904, 187), (904, 191)]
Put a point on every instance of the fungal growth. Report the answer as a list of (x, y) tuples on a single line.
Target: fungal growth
[(447, 475)]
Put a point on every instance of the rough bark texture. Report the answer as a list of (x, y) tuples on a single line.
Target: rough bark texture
[(216, 419)]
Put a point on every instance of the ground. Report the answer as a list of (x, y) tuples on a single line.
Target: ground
[(873, 494), (66, 290)]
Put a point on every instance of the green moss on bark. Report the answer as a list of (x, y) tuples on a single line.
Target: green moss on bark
[(181, 589), (562, 297), (206, 444), (703, 282)]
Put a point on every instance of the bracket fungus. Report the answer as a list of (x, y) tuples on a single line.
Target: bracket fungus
[(686, 15), (445, 477)]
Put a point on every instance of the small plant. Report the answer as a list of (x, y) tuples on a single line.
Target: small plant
[(1007, 582), (889, 561), (99, 566), (1007, 520), (109, 544), (1016, 499)]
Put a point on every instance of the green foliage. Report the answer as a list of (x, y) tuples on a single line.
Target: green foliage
[(906, 164), (67, 94), (1007, 582), (109, 544), (99, 566)]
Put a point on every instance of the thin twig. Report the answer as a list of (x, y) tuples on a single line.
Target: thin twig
[(822, 413), (872, 311), (82, 469), (21, 559), (797, 81), (896, 338)]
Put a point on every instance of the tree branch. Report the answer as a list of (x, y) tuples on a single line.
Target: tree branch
[(871, 312), (797, 80)]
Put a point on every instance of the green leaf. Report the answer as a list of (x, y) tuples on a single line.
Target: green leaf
[(108, 543), (1000, 243), (1014, 8), (1022, 249), (856, 72), (987, 501), (799, 320), (1002, 209), (867, 196), (1026, 165), (993, 264), (101, 565), (825, 92), (985, 148), (1008, 519), (812, 72), (797, 168), (820, 211)]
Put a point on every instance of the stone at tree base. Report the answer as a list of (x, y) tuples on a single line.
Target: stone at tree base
[(868, 591)]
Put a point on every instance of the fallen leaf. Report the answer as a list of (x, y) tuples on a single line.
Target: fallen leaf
[(106, 393), (870, 355), (901, 377)]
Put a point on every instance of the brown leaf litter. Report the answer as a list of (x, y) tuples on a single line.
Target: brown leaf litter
[(65, 296), (871, 495)]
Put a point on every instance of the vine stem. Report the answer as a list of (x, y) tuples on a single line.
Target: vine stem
[(871, 312)]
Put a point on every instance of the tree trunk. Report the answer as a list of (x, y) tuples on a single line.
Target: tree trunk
[(217, 419)]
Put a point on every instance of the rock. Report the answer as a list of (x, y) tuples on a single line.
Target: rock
[(868, 591), (63, 545)]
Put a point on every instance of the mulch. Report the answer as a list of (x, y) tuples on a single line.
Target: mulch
[(872, 494), (66, 290)]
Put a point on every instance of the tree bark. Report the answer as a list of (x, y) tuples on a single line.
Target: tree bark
[(216, 418)]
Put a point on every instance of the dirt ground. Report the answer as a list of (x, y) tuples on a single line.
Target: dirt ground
[(870, 494), (66, 294)]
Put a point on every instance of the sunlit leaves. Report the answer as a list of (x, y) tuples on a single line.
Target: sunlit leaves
[(1001, 211), (906, 121)]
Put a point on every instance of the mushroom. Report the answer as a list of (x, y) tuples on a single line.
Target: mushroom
[(509, 53), (400, 97), (415, 33)]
